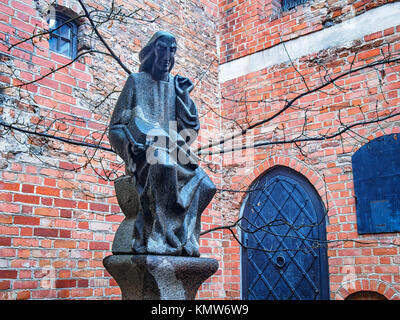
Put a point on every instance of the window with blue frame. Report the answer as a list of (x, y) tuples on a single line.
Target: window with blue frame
[(290, 4), (376, 174), (63, 36)]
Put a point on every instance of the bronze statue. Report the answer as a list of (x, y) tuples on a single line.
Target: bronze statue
[(151, 129)]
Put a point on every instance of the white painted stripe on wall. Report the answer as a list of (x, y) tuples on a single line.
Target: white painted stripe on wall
[(372, 21)]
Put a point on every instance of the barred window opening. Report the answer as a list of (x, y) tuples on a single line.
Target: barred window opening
[(290, 4)]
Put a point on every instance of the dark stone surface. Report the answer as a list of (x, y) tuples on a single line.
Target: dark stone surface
[(153, 277), (152, 127), (128, 200)]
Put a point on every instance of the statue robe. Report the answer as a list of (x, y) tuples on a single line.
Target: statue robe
[(173, 194)]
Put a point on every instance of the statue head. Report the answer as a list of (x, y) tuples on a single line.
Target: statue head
[(158, 56)]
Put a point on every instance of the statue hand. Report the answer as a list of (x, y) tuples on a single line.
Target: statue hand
[(148, 143), (138, 148)]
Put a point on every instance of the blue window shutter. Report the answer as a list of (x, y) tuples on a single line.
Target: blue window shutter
[(376, 174)]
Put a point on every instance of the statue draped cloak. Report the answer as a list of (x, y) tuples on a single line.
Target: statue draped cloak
[(172, 194)]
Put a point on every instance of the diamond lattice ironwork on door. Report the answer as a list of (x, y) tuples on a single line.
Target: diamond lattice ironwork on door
[(286, 255)]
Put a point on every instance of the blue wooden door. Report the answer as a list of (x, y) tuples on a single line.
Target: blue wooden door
[(286, 256)]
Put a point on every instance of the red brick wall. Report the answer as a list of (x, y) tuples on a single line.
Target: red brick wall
[(58, 212), (248, 26), (365, 262), (58, 216)]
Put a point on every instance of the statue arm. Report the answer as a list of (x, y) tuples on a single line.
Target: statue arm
[(120, 137), (186, 111)]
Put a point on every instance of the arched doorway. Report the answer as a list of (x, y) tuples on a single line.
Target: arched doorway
[(366, 295), (285, 258)]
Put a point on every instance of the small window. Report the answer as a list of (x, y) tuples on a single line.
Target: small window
[(290, 4), (376, 174), (64, 37)]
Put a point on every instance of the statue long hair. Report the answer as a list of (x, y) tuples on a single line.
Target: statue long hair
[(147, 56)]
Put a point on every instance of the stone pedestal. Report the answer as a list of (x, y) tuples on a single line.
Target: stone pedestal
[(152, 277)]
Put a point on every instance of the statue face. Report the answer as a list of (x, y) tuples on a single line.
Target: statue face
[(164, 52)]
